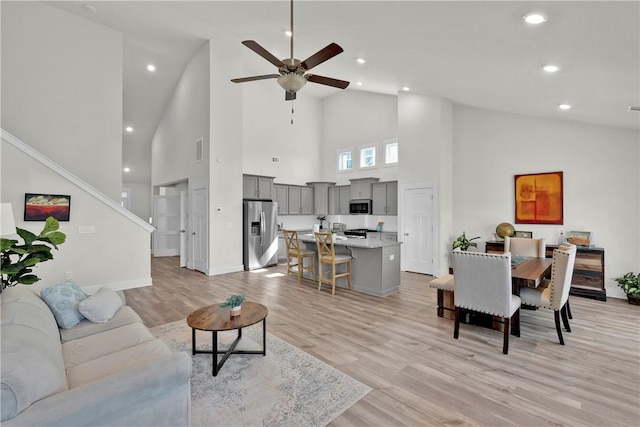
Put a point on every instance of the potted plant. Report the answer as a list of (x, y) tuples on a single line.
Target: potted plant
[(463, 243), (321, 219), (18, 259), (234, 302), (630, 284)]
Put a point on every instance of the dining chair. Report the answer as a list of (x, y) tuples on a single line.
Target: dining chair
[(442, 284), (483, 284), (554, 293), (564, 246), (297, 253), (327, 255), (525, 247)]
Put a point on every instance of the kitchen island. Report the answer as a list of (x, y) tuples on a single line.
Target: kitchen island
[(375, 264)]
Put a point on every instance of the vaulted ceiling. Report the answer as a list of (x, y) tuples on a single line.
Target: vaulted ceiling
[(476, 53)]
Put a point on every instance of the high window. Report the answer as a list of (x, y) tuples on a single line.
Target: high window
[(345, 160), (368, 157), (391, 152)]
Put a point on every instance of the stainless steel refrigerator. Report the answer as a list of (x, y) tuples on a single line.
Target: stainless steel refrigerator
[(260, 234)]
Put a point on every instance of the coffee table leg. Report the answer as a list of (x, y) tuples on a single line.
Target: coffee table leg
[(264, 336), (214, 349), (193, 341)]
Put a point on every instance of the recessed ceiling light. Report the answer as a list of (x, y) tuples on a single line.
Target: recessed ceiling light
[(129, 129), (127, 170), (151, 67), (535, 18), (405, 88), (359, 83), (550, 68), (361, 60), (564, 106), (288, 33)]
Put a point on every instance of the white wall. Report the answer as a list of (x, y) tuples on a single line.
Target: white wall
[(268, 132), (62, 90), (140, 199), (353, 118), (601, 179), (115, 255)]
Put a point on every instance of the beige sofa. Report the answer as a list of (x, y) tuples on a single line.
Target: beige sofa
[(93, 374)]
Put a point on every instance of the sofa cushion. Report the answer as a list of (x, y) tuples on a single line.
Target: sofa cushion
[(81, 350), (109, 364), (101, 306), (63, 300), (125, 316)]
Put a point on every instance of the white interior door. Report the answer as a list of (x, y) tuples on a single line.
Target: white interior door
[(200, 233), (418, 231), (166, 236), (184, 237)]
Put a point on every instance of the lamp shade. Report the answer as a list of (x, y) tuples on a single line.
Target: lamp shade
[(292, 82), (7, 223)]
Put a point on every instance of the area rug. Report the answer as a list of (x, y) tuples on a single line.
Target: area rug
[(287, 387)]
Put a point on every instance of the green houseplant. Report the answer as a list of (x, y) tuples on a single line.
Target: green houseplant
[(18, 259), (234, 302), (463, 243), (630, 284)]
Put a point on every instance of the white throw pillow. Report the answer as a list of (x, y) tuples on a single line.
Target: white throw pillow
[(101, 306)]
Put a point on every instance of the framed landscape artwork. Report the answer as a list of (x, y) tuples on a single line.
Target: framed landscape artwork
[(538, 198), (38, 207)]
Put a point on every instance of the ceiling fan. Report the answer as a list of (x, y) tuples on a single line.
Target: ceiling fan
[(292, 72)]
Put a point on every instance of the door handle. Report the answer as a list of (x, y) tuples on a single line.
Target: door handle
[(406, 234), (193, 234), (183, 231)]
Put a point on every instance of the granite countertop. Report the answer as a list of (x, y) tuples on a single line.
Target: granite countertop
[(353, 242)]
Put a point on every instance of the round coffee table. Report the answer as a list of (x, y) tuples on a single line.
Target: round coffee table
[(215, 319)]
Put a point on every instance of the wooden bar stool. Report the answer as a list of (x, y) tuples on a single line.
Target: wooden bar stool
[(327, 255), (294, 251)]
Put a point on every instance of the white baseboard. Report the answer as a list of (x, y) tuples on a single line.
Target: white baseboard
[(217, 271), (119, 286)]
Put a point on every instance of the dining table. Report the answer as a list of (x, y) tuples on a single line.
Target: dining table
[(528, 271)]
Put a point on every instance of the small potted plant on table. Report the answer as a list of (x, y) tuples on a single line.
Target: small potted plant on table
[(630, 284), (234, 302)]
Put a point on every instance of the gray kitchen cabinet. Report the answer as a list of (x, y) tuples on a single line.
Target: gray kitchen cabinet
[(282, 198), (300, 200), (339, 197), (361, 188), (257, 187), (385, 198), (321, 196)]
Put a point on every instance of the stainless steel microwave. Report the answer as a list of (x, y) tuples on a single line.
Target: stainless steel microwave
[(360, 207)]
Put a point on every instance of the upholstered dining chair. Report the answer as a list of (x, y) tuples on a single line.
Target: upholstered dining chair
[(483, 284), (296, 255), (525, 247), (442, 284), (327, 255), (554, 294)]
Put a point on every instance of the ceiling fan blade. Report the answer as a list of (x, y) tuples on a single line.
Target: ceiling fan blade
[(288, 96), (254, 46), (340, 84), (322, 55), (250, 79)]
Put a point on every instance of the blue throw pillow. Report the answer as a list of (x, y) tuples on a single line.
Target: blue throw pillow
[(63, 300)]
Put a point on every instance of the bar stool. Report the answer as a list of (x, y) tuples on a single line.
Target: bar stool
[(327, 255), (444, 284), (294, 251)]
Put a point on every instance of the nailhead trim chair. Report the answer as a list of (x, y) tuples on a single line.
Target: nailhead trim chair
[(483, 284), (327, 255), (443, 284), (295, 251), (554, 294), (525, 247)]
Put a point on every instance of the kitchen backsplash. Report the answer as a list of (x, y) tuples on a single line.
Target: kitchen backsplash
[(305, 222)]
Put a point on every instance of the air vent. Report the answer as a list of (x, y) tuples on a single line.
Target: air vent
[(275, 159), (199, 150), (631, 108)]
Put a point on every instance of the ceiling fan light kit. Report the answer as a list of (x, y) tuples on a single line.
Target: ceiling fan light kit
[(292, 71)]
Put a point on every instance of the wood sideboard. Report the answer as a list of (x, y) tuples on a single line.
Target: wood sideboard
[(588, 270)]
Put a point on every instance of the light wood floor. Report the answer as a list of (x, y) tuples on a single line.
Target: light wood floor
[(420, 374)]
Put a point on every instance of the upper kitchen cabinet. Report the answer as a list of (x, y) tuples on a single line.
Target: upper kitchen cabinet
[(361, 188), (339, 197), (257, 187), (282, 198), (321, 196), (385, 198), (300, 200)]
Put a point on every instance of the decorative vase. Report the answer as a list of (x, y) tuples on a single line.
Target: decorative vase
[(633, 299), (235, 311)]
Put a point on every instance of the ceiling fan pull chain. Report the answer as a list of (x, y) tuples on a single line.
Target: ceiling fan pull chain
[(292, 111)]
